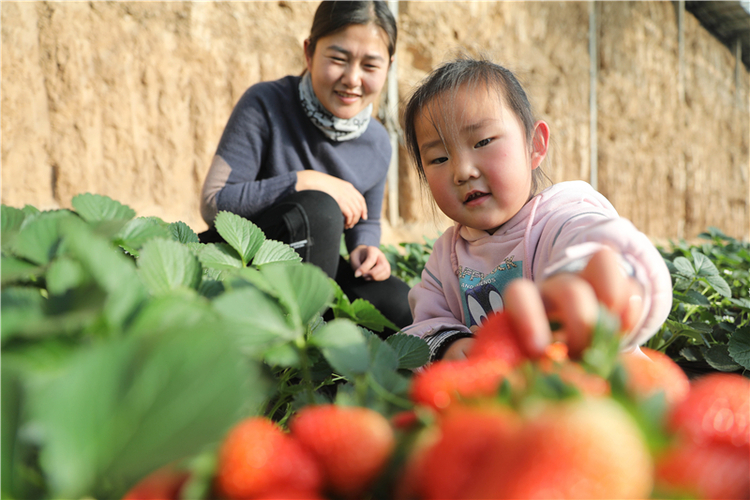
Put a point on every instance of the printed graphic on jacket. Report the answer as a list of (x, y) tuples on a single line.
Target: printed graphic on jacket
[(483, 293)]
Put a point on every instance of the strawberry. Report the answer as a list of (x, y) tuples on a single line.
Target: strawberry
[(703, 470), (717, 408), (162, 484), (455, 453), (585, 448), (257, 458), (652, 372), (444, 382), (496, 339), (352, 444)]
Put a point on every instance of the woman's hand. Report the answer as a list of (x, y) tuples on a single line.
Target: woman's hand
[(573, 301), (369, 263), (350, 201)]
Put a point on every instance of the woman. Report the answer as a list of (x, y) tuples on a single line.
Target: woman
[(302, 158)]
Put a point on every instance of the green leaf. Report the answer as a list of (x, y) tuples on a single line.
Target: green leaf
[(718, 284), (63, 274), (14, 270), (718, 357), (412, 351), (240, 233), (344, 347), (167, 265), (368, 316), (275, 251), (739, 347), (703, 265), (219, 256), (39, 239), (174, 309), (10, 223), (95, 207), (181, 232), (20, 306), (127, 407), (138, 231), (692, 297), (303, 289), (684, 267)]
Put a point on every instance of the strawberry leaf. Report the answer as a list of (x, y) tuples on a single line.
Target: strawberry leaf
[(241, 234), (95, 208), (739, 347), (275, 251), (344, 347), (412, 351), (168, 265), (181, 232)]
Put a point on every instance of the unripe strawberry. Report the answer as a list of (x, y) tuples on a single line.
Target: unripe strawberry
[(653, 372), (351, 444), (257, 458)]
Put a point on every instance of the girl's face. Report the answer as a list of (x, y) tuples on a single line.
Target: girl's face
[(349, 68), (479, 168)]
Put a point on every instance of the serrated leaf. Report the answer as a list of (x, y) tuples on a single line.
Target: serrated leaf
[(684, 267), (703, 265), (368, 316), (240, 233), (138, 231), (219, 256), (412, 351), (172, 310), (275, 251), (181, 232), (95, 207), (10, 223), (166, 265), (63, 274), (692, 297), (739, 347), (741, 302), (125, 408), (304, 289), (718, 357), (39, 239), (284, 355), (344, 347), (718, 284)]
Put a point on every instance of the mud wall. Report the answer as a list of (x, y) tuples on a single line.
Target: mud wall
[(128, 99)]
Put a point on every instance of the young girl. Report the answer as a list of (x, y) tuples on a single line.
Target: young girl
[(302, 158), (543, 255)]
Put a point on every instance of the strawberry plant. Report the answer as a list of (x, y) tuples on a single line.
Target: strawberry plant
[(127, 345)]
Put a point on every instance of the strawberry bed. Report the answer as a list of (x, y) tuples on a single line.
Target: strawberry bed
[(140, 363)]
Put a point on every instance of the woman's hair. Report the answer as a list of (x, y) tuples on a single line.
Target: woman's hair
[(333, 16), (474, 73)]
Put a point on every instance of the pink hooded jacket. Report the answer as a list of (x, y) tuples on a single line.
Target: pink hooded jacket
[(557, 230)]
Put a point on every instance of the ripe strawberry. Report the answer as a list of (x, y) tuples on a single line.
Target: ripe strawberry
[(706, 470), (654, 372), (456, 452), (444, 382), (162, 484), (716, 409), (588, 448), (257, 458), (555, 361), (496, 339), (352, 444)]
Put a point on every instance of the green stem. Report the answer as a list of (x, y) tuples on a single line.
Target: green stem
[(389, 396), (304, 363)]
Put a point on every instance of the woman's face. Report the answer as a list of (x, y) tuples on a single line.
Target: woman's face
[(349, 68)]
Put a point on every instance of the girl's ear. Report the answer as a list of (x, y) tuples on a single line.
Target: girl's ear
[(539, 143), (308, 54)]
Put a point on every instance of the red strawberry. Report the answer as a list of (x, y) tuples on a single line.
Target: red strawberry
[(707, 470), (352, 444), (588, 448), (496, 339), (162, 484), (443, 382), (257, 458), (555, 361), (716, 409), (653, 372), (453, 455)]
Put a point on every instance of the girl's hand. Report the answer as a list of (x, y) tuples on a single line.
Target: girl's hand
[(573, 301), (369, 263), (350, 201)]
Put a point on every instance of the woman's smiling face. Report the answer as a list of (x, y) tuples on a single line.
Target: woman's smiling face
[(476, 158), (349, 68)]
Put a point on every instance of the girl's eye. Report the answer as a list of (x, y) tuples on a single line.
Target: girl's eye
[(437, 161), (482, 143)]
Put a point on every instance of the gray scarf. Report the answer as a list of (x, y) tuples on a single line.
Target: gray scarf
[(336, 129)]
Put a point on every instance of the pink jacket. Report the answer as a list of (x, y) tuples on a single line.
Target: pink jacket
[(557, 230)]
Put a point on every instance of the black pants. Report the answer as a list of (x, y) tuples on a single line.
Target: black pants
[(311, 222)]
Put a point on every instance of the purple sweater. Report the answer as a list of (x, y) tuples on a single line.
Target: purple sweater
[(557, 230), (269, 138)]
